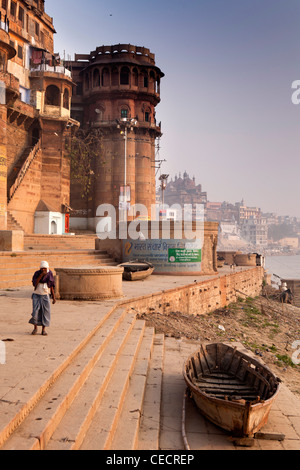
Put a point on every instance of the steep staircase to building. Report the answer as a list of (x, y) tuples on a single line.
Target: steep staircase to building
[(12, 223), (20, 169), (105, 395), (17, 268)]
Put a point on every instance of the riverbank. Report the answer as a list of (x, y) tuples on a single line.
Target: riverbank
[(263, 325)]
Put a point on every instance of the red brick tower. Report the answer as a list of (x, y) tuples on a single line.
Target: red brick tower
[(119, 84)]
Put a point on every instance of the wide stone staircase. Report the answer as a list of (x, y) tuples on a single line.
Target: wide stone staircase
[(59, 242), (17, 268), (105, 395)]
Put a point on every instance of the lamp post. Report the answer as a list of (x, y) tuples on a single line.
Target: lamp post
[(163, 179), (126, 124)]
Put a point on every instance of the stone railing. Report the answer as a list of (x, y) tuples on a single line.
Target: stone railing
[(53, 69), (24, 170)]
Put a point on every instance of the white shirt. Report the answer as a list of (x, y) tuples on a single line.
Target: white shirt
[(41, 289)]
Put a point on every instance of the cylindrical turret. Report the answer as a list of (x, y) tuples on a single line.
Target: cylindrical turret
[(118, 87)]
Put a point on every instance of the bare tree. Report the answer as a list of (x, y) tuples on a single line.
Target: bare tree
[(85, 148)]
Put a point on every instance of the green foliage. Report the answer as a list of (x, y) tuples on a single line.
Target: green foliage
[(284, 360)]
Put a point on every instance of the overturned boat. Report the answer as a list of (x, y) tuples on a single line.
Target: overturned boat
[(230, 388), (137, 270)]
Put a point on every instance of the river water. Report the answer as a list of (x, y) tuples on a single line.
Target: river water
[(287, 267)]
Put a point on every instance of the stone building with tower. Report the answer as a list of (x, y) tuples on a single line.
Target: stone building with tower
[(183, 191), (36, 92), (117, 91)]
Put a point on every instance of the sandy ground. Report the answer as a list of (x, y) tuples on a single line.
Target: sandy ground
[(264, 325)]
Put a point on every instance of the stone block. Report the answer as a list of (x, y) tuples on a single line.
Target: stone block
[(11, 240)]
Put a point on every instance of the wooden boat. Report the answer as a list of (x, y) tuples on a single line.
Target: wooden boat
[(230, 388), (137, 270)]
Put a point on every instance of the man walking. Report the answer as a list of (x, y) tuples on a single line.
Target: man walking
[(43, 282)]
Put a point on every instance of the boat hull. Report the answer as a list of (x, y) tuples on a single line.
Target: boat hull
[(138, 275), (136, 270), (240, 415), (234, 418)]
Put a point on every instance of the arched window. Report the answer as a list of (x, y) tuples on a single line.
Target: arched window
[(96, 78), (152, 81), (144, 79), (52, 96), (87, 81), (53, 227), (124, 112), (135, 77), (115, 77), (124, 76), (66, 99), (105, 77), (99, 112), (147, 115), (158, 85)]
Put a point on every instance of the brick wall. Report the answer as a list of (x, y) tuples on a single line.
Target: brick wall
[(17, 141), (29, 191)]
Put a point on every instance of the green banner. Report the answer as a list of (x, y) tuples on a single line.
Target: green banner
[(184, 255)]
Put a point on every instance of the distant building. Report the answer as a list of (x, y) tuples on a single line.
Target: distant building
[(255, 231), (221, 212), (245, 212), (229, 230), (183, 190), (290, 242)]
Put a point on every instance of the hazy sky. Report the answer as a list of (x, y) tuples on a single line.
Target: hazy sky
[(226, 109)]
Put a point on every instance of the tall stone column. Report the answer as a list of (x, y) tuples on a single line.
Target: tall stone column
[(3, 168)]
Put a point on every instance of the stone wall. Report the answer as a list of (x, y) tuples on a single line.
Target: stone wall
[(202, 297), (29, 191)]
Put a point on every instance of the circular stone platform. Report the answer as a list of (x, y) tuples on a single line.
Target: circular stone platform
[(89, 282)]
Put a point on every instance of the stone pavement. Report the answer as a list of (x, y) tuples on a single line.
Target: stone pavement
[(200, 433), (30, 360)]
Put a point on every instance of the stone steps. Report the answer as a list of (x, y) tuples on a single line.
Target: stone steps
[(149, 431), (16, 269), (140, 417), (12, 223), (96, 398), (63, 242), (121, 406)]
